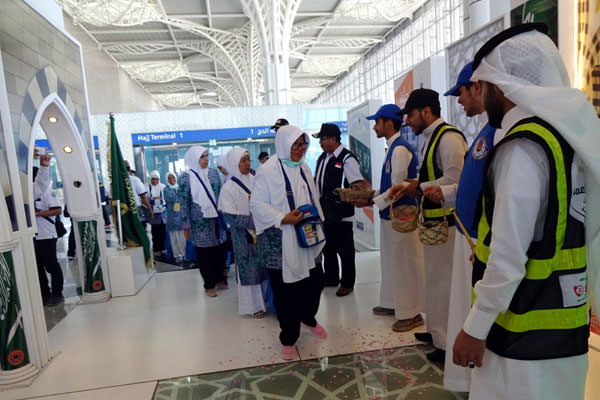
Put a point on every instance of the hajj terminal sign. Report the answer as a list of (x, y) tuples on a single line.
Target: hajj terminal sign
[(254, 132)]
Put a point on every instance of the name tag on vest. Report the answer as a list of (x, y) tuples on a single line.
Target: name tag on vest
[(574, 289)]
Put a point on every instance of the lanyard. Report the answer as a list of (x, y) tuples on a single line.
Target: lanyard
[(288, 188), (206, 190), (244, 187)]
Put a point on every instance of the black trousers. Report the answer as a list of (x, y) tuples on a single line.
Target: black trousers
[(45, 256), (296, 302), (159, 232), (340, 240), (72, 243), (211, 262)]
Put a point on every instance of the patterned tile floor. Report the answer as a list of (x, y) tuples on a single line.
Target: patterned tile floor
[(400, 373)]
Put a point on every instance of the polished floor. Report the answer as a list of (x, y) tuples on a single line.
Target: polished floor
[(400, 373), (134, 347)]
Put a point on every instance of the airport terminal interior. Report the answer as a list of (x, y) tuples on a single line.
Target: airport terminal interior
[(86, 83)]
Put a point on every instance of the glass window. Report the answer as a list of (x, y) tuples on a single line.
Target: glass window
[(437, 24)]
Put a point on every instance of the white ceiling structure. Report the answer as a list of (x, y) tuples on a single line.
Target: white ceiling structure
[(224, 53)]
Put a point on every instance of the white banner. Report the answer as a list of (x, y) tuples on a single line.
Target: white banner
[(370, 151)]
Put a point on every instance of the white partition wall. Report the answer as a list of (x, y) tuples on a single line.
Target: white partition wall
[(370, 152)]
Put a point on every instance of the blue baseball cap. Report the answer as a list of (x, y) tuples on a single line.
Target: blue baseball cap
[(464, 78), (390, 111)]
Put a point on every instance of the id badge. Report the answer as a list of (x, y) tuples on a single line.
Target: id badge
[(176, 207)]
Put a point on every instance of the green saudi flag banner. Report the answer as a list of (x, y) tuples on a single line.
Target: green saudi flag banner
[(134, 234), (90, 251), (13, 346)]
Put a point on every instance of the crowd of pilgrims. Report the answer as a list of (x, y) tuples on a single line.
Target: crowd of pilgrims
[(527, 328)]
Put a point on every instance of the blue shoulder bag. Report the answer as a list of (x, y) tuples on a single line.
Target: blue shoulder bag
[(309, 231)]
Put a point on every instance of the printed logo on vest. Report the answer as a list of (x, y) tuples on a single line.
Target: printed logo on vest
[(388, 167), (480, 149), (577, 207), (579, 290), (574, 289)]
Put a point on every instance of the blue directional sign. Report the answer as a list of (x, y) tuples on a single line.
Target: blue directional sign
[(205, 135), (254, 132), (45, 143)]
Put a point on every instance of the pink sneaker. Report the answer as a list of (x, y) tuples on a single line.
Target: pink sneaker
[(318, 331), (287, 352)]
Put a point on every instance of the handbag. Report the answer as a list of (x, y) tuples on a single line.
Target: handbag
[(58, 225), (309, 231)]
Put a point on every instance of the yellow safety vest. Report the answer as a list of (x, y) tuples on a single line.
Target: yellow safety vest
[(545, 319)]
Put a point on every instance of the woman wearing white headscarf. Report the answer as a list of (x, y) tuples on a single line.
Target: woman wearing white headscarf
[(297, 283), (234, 202), (173, 223), (223, 168), (199, 189), (157, 201)]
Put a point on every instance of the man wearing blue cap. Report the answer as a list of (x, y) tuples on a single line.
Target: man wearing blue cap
[(402, 273), (443, 155), (464, 196)]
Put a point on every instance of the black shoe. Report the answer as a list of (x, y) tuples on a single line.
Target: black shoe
[(55, 300), (343, 291), (424, 337), (437, 356)]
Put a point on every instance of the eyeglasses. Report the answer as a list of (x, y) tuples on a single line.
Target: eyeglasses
[(298, 146)]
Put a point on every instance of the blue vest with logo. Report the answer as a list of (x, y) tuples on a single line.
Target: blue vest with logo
[(471, 179), (386, 176)]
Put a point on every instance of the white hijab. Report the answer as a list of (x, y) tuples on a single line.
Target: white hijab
[(531, 73), (233, 199), (269, 204), (156, 190), (199, 196), (176, 185)]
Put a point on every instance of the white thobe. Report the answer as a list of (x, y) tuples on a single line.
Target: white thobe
[(402, 272), (457, 378), (42, 182), (438, 259), (519, 217)]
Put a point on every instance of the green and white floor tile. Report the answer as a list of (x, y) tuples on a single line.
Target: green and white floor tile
[(400, 373)]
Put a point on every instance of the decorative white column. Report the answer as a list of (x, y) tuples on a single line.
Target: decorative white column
[(273, 21), (477, 13), (23, 333)]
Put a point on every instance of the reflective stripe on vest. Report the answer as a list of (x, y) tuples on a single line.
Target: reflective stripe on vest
[(429, 160), (527, 318)]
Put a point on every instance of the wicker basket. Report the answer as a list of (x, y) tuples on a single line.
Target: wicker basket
[(404, 218), (432, 233), (349, 195)]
